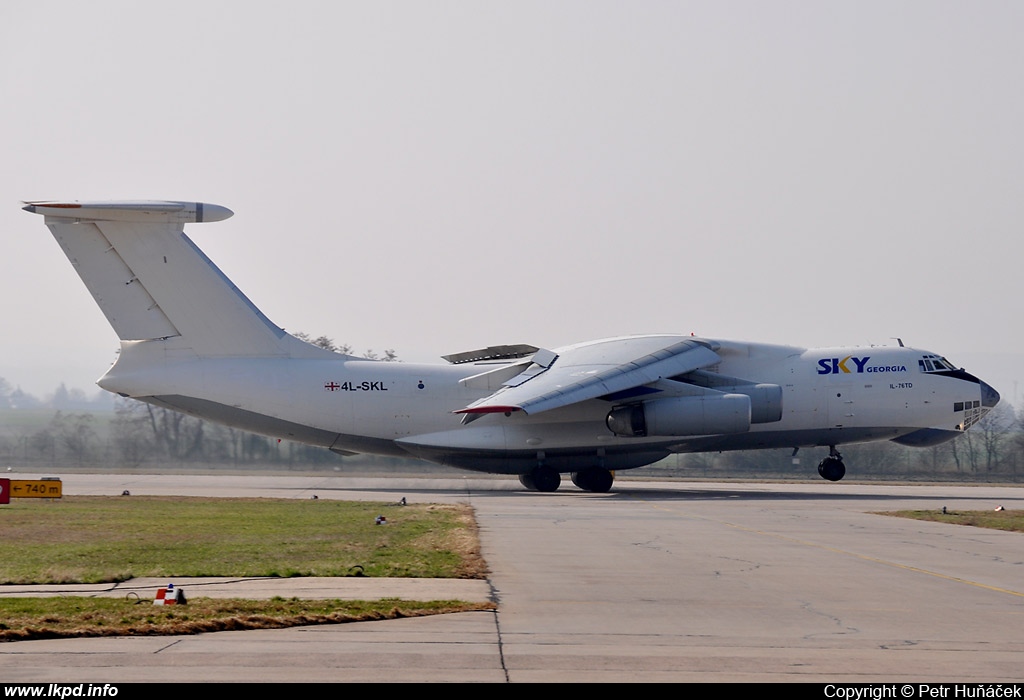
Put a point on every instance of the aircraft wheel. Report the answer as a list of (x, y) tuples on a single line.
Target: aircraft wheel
[(596, 479), (527, 481), (832, 469), (544, 479)]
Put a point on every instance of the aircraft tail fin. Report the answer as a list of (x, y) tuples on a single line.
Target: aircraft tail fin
[(152, 282)]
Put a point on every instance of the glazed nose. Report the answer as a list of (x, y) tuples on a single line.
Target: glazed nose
[(989, 396)]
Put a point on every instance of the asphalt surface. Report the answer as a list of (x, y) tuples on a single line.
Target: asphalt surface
[(656, 581)]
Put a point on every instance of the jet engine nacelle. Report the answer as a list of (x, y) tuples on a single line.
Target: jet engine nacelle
[(688, 415), (765, 401)]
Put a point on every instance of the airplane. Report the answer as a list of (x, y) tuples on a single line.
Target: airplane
[(192, 342)]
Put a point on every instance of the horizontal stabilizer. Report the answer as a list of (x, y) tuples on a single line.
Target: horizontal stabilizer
[(142, 212)]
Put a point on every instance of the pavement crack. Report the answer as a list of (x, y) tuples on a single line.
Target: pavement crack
[(501, 645), (841, 627), (167, 646)]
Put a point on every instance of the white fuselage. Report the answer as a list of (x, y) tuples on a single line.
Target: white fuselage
[(831, 396)]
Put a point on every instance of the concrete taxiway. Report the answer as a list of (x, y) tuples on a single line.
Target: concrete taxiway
[(656, 581)]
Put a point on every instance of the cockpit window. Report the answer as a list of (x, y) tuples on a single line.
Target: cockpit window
[(934, 363)]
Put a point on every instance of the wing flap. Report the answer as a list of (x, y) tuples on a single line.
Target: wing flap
[(593, 370), (491, 353), (511, 374)]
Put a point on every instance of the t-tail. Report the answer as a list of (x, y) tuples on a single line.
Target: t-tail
[(154, 284)]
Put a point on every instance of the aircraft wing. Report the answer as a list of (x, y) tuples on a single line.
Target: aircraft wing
[(592, 370)]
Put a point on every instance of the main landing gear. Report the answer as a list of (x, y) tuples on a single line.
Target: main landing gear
[(832, 467), (596, 479), (543, 478)]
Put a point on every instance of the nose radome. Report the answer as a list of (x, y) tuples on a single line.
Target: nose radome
[(989, 396)]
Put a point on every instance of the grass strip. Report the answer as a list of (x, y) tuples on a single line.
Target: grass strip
[(98, 539), (51, 618), (1012, 520)]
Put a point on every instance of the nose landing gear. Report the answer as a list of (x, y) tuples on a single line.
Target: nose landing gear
[(832, 467)]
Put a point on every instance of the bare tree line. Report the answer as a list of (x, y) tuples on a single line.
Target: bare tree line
[(141, 434)]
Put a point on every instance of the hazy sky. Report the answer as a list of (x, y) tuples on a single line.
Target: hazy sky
[(439, 176)]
